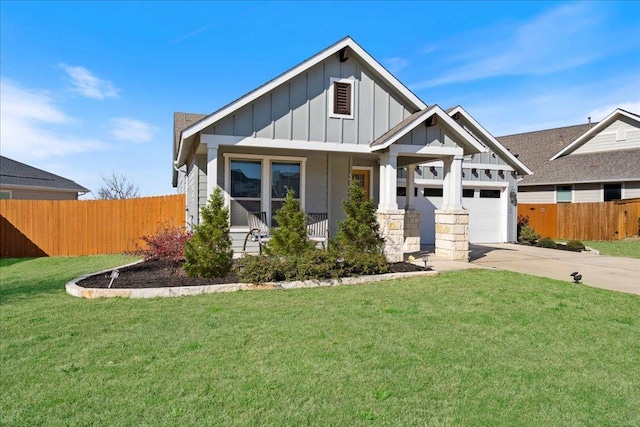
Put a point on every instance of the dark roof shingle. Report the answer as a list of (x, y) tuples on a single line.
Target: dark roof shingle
[(15, 173), (536, 148)]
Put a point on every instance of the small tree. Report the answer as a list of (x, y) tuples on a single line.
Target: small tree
[(359, 231), (117, 187), (290, 237), (208, 253)]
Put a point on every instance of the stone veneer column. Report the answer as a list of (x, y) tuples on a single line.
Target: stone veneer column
[(452, 234), (411, 231), (401, 231)]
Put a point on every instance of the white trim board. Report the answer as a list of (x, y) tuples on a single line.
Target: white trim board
[(582, 139), (523, 169)]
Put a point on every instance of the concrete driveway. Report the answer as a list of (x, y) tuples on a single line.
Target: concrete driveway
[(606, 272)]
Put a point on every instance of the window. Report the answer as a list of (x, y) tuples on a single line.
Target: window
[(467, 192), (341, 99), (246, 189), (612, 192), (489, 194), (5, 195), (401, 191), (284, 177), (563, 194), (255, 184), (432, 192)]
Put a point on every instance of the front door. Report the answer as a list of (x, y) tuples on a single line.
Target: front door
[(363, 178)]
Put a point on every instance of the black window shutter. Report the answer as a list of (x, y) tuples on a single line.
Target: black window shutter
[(342, 98)]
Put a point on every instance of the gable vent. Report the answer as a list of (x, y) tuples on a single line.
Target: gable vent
[(342, 98)]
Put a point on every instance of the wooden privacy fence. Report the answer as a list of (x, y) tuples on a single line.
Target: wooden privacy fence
[(32, 228), (584, 221)]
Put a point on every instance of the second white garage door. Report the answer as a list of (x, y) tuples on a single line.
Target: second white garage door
[(486, 213)]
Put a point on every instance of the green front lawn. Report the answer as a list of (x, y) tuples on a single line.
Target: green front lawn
[(624, 248), (473, 347)]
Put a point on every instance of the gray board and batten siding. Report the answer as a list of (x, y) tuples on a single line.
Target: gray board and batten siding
[(299, 109)]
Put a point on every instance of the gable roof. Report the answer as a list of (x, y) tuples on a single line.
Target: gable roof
[(512, 160), (537, 148), (416, 119), (595, 130), (345, 43), (14, 173)]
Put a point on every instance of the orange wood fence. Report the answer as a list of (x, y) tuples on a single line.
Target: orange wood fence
[(584, 221), (31, 228)]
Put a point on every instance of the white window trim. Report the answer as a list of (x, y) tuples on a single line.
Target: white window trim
[(573, 193), (7, 191), (367, 168), (352, 83), (266, 161)]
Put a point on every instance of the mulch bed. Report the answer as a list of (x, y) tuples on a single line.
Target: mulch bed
[(154, 274)]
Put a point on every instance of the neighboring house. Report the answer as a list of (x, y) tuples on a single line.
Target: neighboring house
[(585, 163), (338, 116), (20, 181)]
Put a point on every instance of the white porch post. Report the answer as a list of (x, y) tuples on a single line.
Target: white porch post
[(388, 182), (452, 221), (212, 169), (410, 185), (452, 185)]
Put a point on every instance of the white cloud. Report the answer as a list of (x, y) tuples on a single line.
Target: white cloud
[(193, 33), (394, 65), (125, 129), (88, 85), (559, 39), (30, 125)]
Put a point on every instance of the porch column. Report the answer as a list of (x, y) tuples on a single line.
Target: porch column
[(452, 221), (410, 185), (452, 184), (212, 169), (388, 182)]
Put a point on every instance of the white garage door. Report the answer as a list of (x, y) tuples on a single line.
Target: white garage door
[(486, 214)]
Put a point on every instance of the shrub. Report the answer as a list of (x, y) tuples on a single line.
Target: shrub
[(290, 236), (547, 242), (166, 245), (208, 253), (260, 269), (359, 231), (311, 264), (362, 263), (575, 245), (527, 235)]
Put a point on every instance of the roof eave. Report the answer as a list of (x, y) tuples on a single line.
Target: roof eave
[(594, 130), (515, 162), (207, 121)]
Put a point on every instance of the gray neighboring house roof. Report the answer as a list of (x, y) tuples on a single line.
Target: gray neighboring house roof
[(13, 173), (536, 149)]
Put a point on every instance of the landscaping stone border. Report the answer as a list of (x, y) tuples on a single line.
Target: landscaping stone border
[(74, 289)]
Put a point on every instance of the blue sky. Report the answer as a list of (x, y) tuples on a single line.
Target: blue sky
[(89, 88)]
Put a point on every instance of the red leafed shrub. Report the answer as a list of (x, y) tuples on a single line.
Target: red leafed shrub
[(166, 245)]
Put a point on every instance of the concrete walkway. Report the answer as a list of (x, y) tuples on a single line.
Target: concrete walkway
[(600, 271)]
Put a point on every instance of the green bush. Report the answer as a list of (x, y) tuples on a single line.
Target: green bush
[(575, 245), (311, 264), (290, 236), (547, 242), (359, 231), (260, 269), (527, 235), (208, 253), (362, 263)]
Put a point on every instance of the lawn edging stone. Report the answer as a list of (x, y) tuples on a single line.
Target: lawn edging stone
[(75, 290)]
